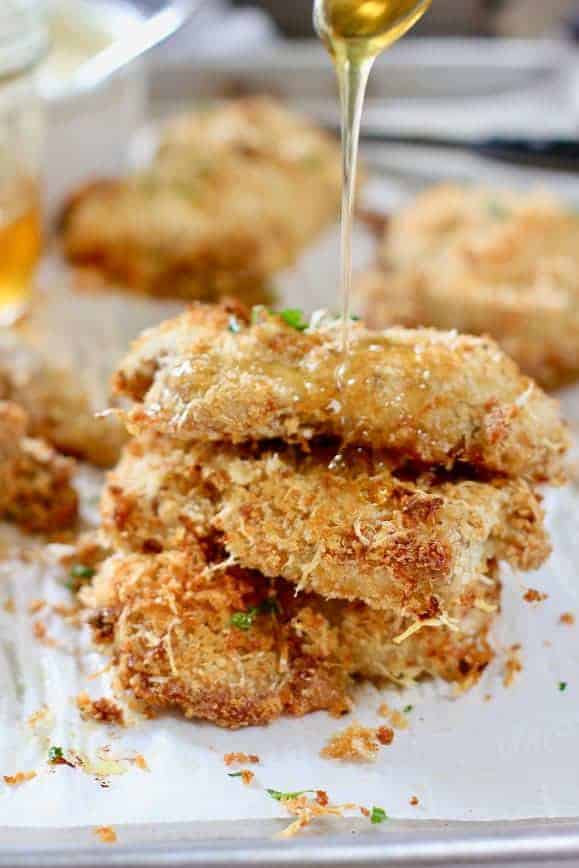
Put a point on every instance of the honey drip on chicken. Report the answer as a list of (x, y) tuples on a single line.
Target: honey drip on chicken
[(355, 32)]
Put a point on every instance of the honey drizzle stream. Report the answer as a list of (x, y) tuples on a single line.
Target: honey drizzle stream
[(352, 78), (355, 32)]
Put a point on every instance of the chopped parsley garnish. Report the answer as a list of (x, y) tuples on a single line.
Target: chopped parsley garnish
[(234, 325), (79, 573), (280, 796), (497, 210), (408, 709), (244, 620), (378, 815), (294, 317), (55, 755), (235, 774), (562, 686)]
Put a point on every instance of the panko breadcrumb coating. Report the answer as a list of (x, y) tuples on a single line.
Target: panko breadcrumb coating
[(232, 196), (57, 407), (176, 642), (484, 262), (36, 488), (435, 397), (231, 647), (357, 528)]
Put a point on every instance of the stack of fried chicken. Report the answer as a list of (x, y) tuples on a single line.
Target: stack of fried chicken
[(288, 519)]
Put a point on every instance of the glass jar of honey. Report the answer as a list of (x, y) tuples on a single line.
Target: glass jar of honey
[(23, 42)]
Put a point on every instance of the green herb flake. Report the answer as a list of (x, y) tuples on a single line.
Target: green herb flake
[(244, 620), (79, 574), (497, 210), (234, 325), (55, 755), (294, 317), (378, 815), (235, 774), (280, 796), (562, 686), (408, 709)]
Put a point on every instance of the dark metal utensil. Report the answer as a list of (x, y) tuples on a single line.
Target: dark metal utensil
[(546, 153)]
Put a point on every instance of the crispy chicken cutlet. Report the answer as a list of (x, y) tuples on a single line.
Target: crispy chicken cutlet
[(58, 409), (288, 519), (219, 647), (236, 649), (357, 528), (233, 195), (433, 397), (484, 262), (36, 488)]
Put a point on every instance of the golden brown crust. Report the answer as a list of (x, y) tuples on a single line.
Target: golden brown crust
[(36, 482), (355, 529), (435, 397), (233, 194), (57, 407), (176, 643), (484, 262)]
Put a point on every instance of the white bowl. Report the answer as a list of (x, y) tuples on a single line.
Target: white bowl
[(87, 131)]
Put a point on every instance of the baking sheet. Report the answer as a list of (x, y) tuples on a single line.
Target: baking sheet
[(471, 758), (494, 753)]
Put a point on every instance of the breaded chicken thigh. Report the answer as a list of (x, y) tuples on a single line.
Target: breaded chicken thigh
[(36, 488), (434, 397), (234, 194), (484, 261), (238, 650), (352, 526), (57, 407)]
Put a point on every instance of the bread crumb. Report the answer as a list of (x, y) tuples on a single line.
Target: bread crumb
[(35, 606), (43, 715), (385, 735), (567, 618), (9, 606), (247, 776), (101, 710), (41, 633), (532, 595), (487, 697), (414, 801), (357, 743), (513, 665), (18, 778), (306, 810), (141, 762), (398, 720), (237, 758), (106, 834)]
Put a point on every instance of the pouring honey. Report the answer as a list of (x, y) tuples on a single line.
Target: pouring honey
[(355, 32)]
